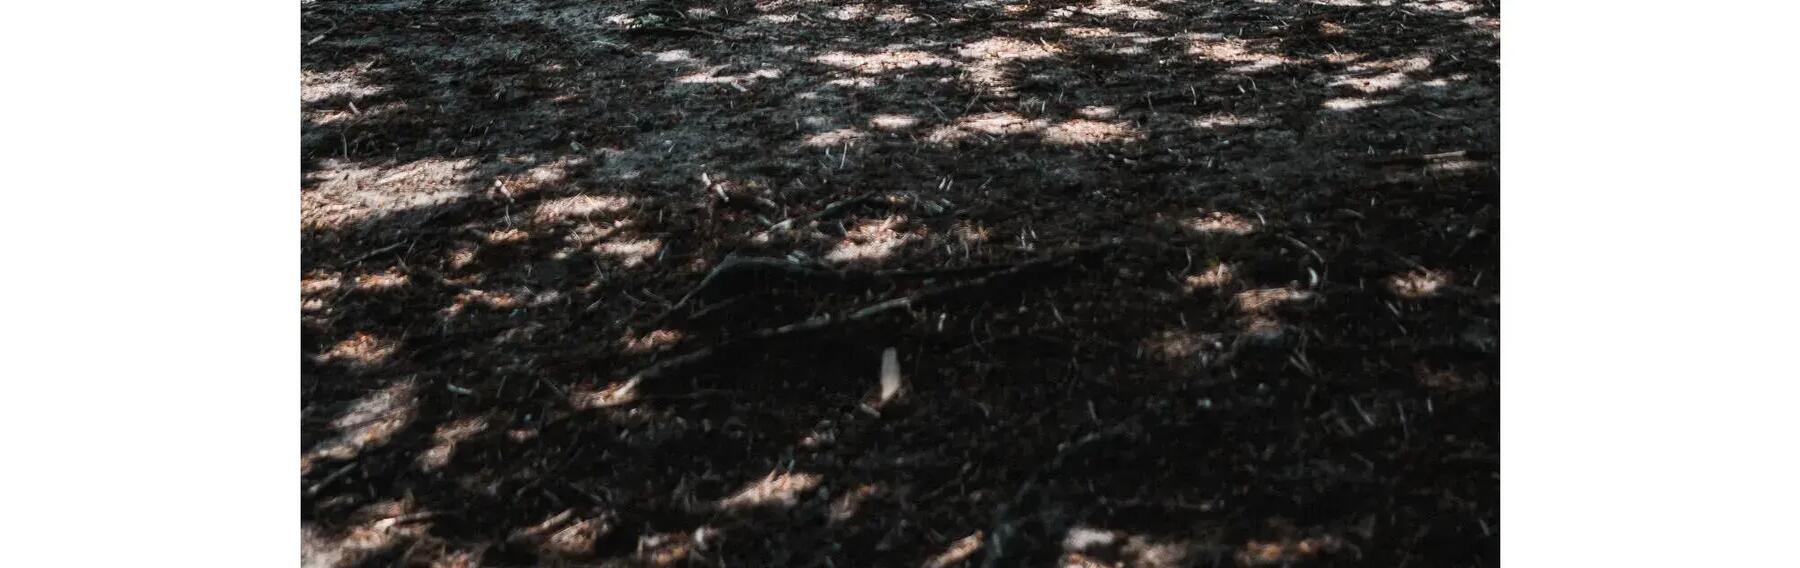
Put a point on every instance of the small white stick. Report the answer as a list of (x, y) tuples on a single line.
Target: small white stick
[(890, 374)]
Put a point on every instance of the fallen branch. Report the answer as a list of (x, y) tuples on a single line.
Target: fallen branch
[(626, 391)]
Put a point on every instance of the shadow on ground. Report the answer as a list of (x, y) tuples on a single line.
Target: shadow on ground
[(1193, 283)]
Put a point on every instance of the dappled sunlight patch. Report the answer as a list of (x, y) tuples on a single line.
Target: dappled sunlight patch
[(658, 340), (993, 124), (1097, 112), (1376, 84), (834, 138), (370, 421), (1226, 121), (1454, 165), (988, 57), (630, 253), (1213, 278), (893, 121), (854, 83), (316, 86), (781, 490), (578, 207), (1087, 547), (1219, 223), (668, 549), (1246, 57), (1418, 284), (845, 506), (390, 279), (614, 394), (1265, 299), (506, 237), (1147, 552), (361, 350), (1443, 82), (1444, 6), (1005, 48), (1108, 9), (959, 550), (1088, 32), (1285, 552), (872, 240), (776, 19), (480, 298), (1263, 329), (1403, 65), (445, 439), (1080, 539), (897, 15), (343, 195), (352, 548), (1483, 24), (1098, 547), (538, 178), (711, 76), (1081, 131), (848, 12), (881, 62), (1353, 103), (320, 283), (461, 257), (574, 541), (674, 56)]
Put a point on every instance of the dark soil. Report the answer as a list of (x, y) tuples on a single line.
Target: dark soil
[(1192, 283)]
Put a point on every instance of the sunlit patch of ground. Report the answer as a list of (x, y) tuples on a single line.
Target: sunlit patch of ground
[(1083, 131), (371, 421), (344, 195), (1214, 277), (1244, 56), (883, 61), (774, 490), (1219, 223), (630, 253), (872, 241), (958, 551), (360, 350), (1418, 284), (579, 207), (1268, 298), (446, 438), (657, 340)]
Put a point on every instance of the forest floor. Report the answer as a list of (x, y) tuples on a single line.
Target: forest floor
[(1170, 283)]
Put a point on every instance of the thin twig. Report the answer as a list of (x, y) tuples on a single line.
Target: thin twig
[(334, 476), (372, 254)]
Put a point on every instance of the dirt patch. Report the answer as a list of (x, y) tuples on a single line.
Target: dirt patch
[(1171, 284)]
